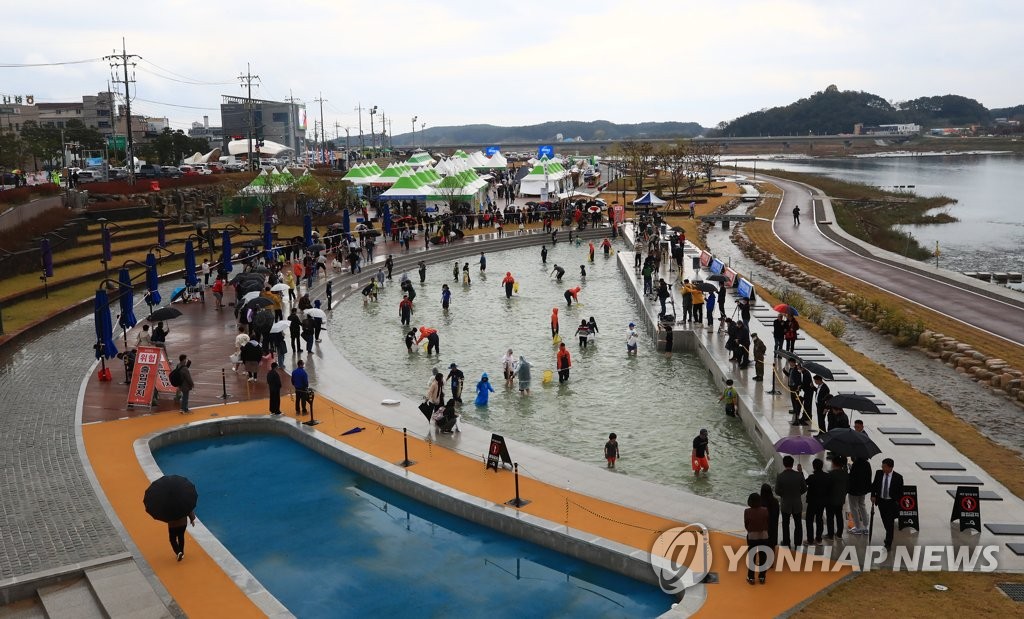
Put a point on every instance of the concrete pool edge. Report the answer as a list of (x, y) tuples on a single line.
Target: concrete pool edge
[(617, 557)]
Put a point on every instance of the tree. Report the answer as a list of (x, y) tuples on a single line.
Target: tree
[(676, 160), (43, 142), (13, 151), (638, 161), (704, 158)]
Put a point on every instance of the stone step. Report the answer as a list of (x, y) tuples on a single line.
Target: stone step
[(23, 609), (123, 591), (70, 600)]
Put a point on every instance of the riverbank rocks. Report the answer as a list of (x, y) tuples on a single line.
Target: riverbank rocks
[(992, 372)]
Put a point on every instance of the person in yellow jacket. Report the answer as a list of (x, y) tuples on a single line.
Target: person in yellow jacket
[(698, 303)]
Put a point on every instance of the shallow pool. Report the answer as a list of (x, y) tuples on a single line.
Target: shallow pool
[(656, 404), (329, 543)]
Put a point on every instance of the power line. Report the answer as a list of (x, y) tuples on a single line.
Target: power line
[(185, 77), (187, 107), (174, 79), (10, 65)]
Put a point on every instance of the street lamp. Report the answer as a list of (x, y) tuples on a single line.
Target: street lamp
[(414, 119), (373, 138)]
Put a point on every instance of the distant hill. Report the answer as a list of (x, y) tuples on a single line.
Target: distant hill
[(834, 111), (548, 132)]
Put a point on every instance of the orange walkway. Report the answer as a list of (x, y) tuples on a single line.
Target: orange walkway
[(201, 588)]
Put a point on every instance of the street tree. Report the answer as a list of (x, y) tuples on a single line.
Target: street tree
[(638, 160)]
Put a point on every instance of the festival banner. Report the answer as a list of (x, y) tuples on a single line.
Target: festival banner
[(705, 258), (730, 276), (151, 374)]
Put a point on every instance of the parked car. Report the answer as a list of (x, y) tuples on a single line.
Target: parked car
[(148, 170), (170, 171), (201, 169), (233, 167), (89, 176), (215, 167)]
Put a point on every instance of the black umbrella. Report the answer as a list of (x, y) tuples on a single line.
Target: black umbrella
[(849, 443), (706, 287), (817, 368), (788, 355), (241, 277), (164, 313), (246, 287), (853, 402), (263, 319), (317, 247), (170, 498), (718, 278), (261, 270), (259, 302)]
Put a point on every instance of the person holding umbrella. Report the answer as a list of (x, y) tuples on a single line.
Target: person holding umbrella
[(172, 499), (274, 387)]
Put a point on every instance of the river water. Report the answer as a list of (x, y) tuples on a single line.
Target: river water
[(989, 235)]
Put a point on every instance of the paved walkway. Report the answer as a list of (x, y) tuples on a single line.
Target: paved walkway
[(984, 306)]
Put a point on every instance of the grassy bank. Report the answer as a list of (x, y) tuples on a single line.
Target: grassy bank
[(871, 214)]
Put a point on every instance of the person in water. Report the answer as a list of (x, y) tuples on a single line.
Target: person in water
[(410, 339), (543, 254), (590, 250), (433, 340), (523, 374), (455, 271), (583, 332), (509, 283), (446, 296), (606, 245), (583, 271), (483, 390), (558, 272), (554, 322), (405, 310), (483, 262), (465, 275), (593, 326), (456, 378), (508, 367), (571, 295), (423, 271), (564, 362)]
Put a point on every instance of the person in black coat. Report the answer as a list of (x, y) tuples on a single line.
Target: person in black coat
[(819, 490), (807, 395), (769, 501), (822, 395), (779, 330), (274, 386), (859, 486), (886, 490)]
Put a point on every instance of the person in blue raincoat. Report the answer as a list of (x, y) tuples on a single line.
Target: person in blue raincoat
[(483, 390)]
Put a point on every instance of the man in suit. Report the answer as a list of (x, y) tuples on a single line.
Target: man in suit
[(822, 395), (790, 486), (807, 394), (886, 491)]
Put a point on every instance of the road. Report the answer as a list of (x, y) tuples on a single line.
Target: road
[(974, 306)]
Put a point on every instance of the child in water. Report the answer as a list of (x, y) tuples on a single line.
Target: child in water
[(483, 390), (455, 271), (611, 450), (446, 296), (583, 332), (465, 275), (554, 322), (410, 340), (583, 271)]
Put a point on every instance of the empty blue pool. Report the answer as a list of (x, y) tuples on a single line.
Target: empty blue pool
[(330, 543)]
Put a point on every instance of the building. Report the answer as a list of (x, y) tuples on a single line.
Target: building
[(276, 121), (95, 111), (898, 129), (214, 135)]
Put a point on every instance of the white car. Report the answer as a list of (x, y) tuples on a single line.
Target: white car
[(202, 169)]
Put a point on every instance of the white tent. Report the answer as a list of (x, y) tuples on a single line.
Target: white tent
[(546, 178), (270, 149)]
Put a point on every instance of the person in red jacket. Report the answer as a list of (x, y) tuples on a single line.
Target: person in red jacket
[(433, 340), (509, 283), (572, 295), (554, 322), (564, 363)]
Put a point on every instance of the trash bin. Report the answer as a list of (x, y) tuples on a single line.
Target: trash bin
[(696, 263)]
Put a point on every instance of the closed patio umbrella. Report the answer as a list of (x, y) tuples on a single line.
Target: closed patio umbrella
[(128, 320), (190, 264), (152, 279)]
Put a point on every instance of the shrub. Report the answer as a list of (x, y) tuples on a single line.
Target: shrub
[(21, 195), (836, 326), (814, 312)]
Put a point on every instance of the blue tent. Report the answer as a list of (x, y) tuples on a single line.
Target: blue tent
[(307, 229), (190, 264), (648, 199), (104, 329), (225, 257), (124, 277), (152, 279)]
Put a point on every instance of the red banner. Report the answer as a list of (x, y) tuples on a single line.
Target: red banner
[(619, 213), (705, 259), (151, 373), (731, 275)]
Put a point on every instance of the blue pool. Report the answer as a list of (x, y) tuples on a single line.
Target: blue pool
[(330, 543)]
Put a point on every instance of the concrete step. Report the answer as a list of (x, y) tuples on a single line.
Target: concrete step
[(70, 600), (23, 609), (123, 591)]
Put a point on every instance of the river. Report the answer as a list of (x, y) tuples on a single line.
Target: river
[(989, 235)]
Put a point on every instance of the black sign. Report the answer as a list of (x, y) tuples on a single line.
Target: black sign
[(498, 452), (908, 516), (967, 508)]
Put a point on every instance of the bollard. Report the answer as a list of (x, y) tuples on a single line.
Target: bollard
[(224, 386), (518, 501), (405, 444)]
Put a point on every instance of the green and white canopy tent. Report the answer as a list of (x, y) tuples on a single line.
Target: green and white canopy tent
[(408, 186), (545, 178), (363, 174), (259, 186), (420, 159)]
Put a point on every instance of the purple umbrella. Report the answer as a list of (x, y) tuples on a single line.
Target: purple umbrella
[(44, 247), (161, 233), (107, 254), (798, 445)]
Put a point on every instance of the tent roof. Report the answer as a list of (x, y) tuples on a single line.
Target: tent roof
[(649, 198)]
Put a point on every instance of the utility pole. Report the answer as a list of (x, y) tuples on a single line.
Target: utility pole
[(391, 144), (293, 122), (362, 142), (323, 128), (373, 138), (122, 59), (347, 148), (247, 81)]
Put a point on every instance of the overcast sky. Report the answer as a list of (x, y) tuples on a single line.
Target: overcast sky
[(518, 62)]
